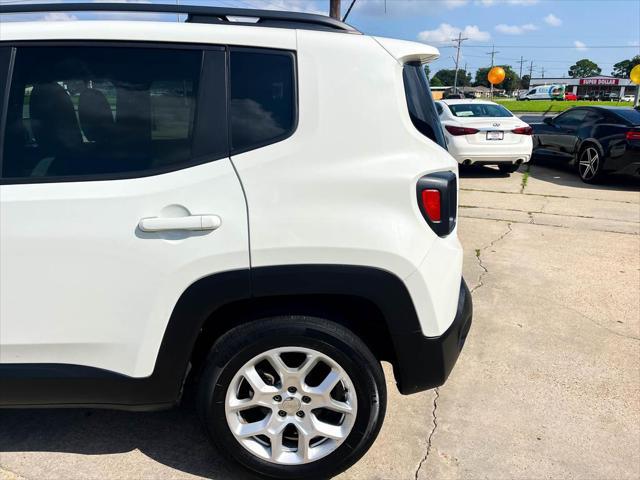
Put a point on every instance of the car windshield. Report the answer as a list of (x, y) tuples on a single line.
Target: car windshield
[(630, 115), (479, 110)]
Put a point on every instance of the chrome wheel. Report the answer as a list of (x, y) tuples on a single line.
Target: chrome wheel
[(589, 163), (291, 405)]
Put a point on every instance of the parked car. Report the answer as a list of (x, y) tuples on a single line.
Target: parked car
[(627, 98), (544, 92), (597, 140), (200, 214), (586, 96), (609, 97), (570, 97), (480, 132)]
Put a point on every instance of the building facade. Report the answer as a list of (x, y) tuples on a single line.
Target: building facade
[(591, 86)]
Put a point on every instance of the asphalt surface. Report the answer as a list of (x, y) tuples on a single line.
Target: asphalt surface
[(547, 386)]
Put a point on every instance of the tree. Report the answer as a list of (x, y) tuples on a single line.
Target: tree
[(526, 80), (623, 69), (584, 68), (435, 82), (447, 77), (427, 70), (511, 79)]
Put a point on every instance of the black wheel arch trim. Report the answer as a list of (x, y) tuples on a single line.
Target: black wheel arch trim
[(75, 385)]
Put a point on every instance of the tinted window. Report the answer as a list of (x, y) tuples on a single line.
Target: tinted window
[(263, 98), (87, 111), (422, 109), (479, 110), (629, 115), (572, 118)]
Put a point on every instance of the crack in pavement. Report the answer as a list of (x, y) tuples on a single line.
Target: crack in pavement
[(548, 195), (429, 439), (479, 257), (531, 222)]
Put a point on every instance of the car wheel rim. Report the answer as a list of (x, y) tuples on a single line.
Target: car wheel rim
[(291, 405), (589, 163)]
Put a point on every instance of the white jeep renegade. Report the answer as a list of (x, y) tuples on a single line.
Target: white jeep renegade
[(263, 209)]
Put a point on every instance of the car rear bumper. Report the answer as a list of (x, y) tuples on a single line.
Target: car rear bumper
[(492, 159), (426, 362)]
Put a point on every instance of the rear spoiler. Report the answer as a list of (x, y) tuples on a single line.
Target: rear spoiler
[(405, 51)]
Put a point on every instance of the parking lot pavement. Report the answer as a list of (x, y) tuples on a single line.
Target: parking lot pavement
[(548, 385)]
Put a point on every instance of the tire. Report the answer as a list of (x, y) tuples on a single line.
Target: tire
[(360, 389), (508, 167), (590, 164)]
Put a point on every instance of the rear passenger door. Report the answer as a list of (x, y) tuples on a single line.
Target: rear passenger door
[(117, 193)]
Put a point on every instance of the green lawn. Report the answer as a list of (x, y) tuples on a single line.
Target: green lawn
[(553, 106)]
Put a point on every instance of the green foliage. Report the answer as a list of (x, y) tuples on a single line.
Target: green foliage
[(447, 77), (427, 70), (623, 69), (553, 106), (584, 68), (511, 79), (526, 79), (436, 82)]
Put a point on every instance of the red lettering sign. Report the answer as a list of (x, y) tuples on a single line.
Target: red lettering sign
[(599, 81)]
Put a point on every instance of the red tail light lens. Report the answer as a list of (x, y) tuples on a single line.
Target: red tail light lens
[(461, 130), (523, 131), (633, 135), (431, 204)]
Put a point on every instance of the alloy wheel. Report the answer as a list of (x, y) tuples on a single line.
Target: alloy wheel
[(589, 163), (291, 405)]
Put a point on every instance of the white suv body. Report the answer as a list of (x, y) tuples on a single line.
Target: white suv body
[(116, 280)]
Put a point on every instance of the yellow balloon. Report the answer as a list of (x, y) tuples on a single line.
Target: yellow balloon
[(635, 74), (496, 75)]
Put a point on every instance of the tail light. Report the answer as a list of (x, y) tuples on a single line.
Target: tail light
[(461, 130), (633, 135), (437, 200), (523, 130)]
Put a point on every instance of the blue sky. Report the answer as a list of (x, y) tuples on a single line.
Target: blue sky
[(551, 33)]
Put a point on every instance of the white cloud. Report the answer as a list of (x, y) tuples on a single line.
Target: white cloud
[(552, 20), (445, 33), (580, 45), (515, 29), (402, 8)]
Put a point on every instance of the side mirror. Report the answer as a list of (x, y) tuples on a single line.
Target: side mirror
[(548, 120)]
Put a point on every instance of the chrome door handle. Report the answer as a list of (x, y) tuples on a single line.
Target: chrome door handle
[(191, 222)]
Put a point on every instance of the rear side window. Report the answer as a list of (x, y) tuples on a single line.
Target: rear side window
[(87, 111), (479, 110), (629, 115), (262, 97), (422, 109)]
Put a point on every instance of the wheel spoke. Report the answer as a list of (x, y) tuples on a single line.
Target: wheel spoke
[(340, 407), (237, 405), (303, 445), (330, 381), (327, 430), (254, 428), (256, 382)]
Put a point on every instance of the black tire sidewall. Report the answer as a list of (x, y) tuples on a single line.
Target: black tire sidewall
[(233, 351)]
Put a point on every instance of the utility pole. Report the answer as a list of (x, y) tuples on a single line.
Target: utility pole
[(542, 70), (458, 41), (521, 62), (530, 72), (493, 54), (334, 9)]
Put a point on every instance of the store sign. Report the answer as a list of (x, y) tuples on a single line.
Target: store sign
[(599, 81)]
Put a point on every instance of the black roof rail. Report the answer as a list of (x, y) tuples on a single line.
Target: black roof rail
[(196, 14)]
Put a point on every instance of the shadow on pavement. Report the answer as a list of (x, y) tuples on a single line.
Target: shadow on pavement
[(566, 175), (481, 171), (174, 438)]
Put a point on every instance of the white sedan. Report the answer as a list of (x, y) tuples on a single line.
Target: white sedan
[(479, 132)]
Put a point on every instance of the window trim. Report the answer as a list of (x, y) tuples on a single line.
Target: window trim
[(192, 162), (296, 115)]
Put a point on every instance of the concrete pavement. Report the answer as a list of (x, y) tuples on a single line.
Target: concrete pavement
[(548, 385)]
